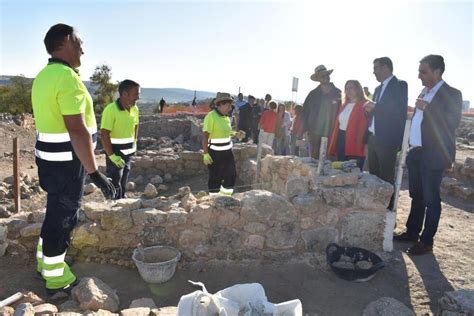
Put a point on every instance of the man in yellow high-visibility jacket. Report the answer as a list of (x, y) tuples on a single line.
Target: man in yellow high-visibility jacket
[(65, 139), (118, 130)]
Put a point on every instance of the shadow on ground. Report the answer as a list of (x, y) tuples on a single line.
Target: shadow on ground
[(321, 292)]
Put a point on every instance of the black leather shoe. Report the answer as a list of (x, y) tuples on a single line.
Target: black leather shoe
[(419, 249), (405, 237)]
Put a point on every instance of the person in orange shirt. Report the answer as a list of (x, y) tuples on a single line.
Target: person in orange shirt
[(268, 122), (348, 136)]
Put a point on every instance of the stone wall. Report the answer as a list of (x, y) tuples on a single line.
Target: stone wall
[(463, 171), (346, 200), (465, 129), (150, 163), (459, 181), (307, 214), (24, 120), (158, 126)]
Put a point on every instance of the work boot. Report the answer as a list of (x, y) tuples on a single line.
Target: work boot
[(419, 249), (405, 237)]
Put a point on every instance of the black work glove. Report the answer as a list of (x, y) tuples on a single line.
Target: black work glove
[(101, 181)]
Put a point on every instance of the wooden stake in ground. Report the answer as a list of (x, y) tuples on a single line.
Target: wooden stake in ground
[(322, 154), (16, 180), (401, 164)]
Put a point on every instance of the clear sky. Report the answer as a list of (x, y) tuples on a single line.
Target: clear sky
[(258, 45)]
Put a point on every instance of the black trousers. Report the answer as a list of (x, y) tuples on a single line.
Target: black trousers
[(341, 150), (382, 161), (118, 175), (222, 170), (64, 184), (255, 132), (424, 186)]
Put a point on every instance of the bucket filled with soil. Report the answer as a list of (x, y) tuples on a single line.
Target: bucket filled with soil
[(156, 264)]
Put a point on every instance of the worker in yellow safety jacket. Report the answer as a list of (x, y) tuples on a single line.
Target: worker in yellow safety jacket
[(217, 146), (66, 134), (118, 134)]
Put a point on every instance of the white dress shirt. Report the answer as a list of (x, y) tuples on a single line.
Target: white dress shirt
[(344, 116), (415, 128), (379, 96)]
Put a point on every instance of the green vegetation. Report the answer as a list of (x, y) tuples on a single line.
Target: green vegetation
[(15, 98), (104, 89)]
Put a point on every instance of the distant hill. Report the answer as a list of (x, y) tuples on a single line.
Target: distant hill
[(4, 80), (173, 95), (150, 95)]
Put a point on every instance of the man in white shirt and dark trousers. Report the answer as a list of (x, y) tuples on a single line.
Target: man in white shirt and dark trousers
[(432, 150), (387, 116)]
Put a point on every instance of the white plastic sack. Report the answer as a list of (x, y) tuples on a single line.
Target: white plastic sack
[(237, 300)]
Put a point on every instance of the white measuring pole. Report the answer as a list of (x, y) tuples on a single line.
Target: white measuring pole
[(391, 215), (259, 156), (401, 164)]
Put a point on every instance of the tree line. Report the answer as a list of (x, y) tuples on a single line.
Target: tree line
[(15, 97)]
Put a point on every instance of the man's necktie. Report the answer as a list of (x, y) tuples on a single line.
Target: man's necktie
[(379, 95)]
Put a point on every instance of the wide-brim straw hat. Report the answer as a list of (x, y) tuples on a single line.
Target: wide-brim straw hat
[(223, 96), (319, 72)]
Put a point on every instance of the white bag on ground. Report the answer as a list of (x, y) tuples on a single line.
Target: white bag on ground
[(237, 300)]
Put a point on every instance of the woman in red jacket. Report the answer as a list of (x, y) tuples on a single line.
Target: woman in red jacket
[(347, 139)]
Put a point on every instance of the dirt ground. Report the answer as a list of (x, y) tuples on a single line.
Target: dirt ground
[(418, 282)]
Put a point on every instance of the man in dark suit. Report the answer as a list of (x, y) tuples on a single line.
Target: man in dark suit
[(245, 117), (432, 150), (387, 114)]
